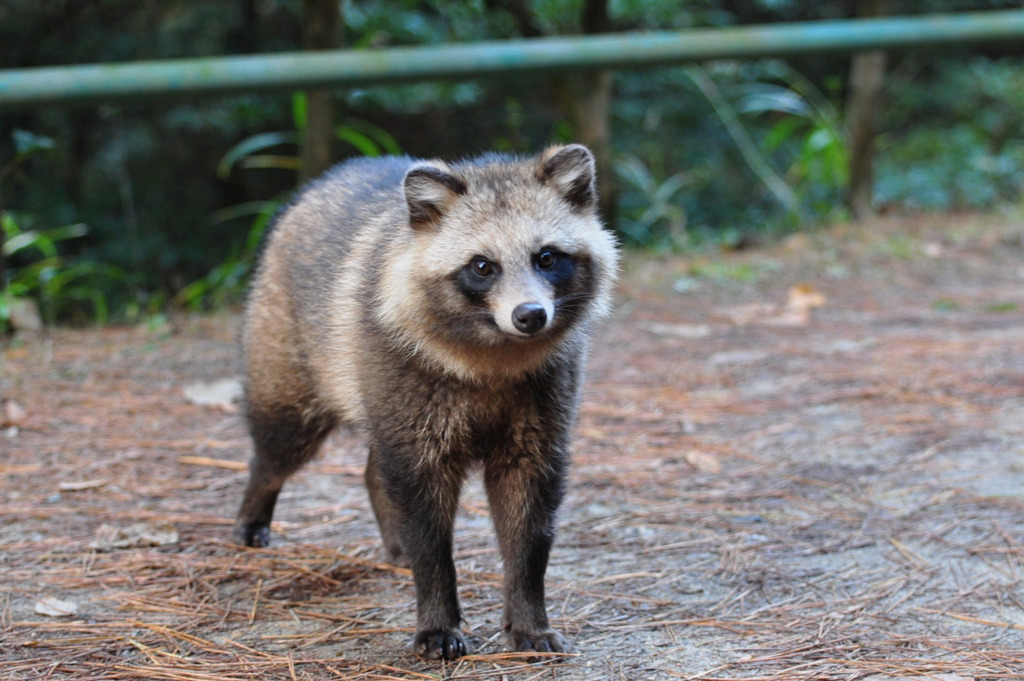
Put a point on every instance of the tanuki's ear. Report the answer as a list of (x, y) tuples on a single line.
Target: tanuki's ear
[(429, 190), (570, 170)]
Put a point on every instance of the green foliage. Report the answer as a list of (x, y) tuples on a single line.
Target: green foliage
[(28, 143), (668, 14), (977, 111), (806, 134), (365, 138), (56, 283), (225, 284), (650, 211), (36, 274), (409, 22), (761, 131), (917, 173), (244, 153)]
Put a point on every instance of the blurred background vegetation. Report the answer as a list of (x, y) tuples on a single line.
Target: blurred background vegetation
[(122, 212)]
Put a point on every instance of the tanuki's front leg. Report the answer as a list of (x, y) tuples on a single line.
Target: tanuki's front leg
[(418, 506), (523, 501)]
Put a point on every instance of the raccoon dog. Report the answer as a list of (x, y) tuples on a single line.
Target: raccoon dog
[(446, 309)]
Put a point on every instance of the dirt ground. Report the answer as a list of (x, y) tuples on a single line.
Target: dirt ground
[(804, 461)]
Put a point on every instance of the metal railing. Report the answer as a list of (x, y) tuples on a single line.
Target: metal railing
[(183, 78)]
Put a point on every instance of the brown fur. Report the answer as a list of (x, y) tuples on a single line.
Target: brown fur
[(368, 306)]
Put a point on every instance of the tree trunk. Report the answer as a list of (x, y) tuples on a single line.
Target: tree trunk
[(586, 100), (593, 118), (321, 30), (245, 38), (867, 82)]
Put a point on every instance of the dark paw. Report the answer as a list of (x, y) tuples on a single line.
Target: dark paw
[(447, 644), (549, 641), (254, 535)]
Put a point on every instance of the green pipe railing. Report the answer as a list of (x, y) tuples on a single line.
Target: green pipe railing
[(93, 83)]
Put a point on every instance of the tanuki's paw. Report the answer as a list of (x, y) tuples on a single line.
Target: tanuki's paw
[(445, 644), (252, 534), (549, 641)]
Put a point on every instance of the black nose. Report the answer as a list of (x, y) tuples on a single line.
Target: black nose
[(529, 317)]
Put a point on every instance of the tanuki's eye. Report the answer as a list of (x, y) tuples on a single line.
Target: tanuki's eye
[(482, 267), (546, 260)]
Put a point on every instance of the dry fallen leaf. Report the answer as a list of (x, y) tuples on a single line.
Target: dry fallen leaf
[(702, 461), (679, 330), (54, 607), (804, 297), (109, 537), (14, 414), (789, 317), (215, 463), (222, 394), (81, 485), (755, 313), (24, 315)]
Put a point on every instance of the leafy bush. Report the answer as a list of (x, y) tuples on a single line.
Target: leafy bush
[(37, 278), (964, 150), (225, 284), (57, 284), (650, 211), (960, 172), (806, 134)]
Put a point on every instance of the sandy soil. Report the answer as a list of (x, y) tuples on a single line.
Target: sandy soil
[(800, 462)]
